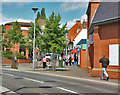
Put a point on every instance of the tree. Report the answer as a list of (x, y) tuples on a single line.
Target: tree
[(29, 39), (1, 36), (43, 15), (12, 37), (53, 38), (38, 15)]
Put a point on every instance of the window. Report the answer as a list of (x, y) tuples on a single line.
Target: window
[(91, 39), (114, 55)]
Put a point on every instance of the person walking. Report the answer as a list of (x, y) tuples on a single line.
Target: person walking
[(44, 60), (72, 61), (69, 61), (105, 63)]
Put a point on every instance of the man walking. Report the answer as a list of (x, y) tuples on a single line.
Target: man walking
[(105, 63)]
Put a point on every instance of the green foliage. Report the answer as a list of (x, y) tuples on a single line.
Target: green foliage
[(7, 54), (38, 15), (43, 15), (29, 39), (53, 38), (20, 56), (3, 28), (14, 36)]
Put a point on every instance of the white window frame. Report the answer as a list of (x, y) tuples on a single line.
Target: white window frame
[(114, 54)]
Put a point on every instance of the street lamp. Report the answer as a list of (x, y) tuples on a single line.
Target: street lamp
[(34, 9)]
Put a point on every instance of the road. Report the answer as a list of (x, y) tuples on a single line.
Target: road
[(26, 82)]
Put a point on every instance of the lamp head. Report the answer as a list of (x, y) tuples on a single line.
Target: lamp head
[(34, 9)]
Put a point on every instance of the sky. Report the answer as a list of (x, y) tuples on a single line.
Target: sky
[(21, 10)]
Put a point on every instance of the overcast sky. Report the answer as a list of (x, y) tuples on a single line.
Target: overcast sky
[(21, 10)]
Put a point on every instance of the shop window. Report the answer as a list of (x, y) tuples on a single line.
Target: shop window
[(114, 55)]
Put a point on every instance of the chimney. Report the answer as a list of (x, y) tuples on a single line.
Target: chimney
[(79, 23), (84, 26)]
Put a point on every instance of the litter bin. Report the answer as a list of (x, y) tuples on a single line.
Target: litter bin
[(60, 63)]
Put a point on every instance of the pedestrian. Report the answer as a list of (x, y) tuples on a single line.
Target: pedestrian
[(67, 60), (15, 59), (105, 63), (70, 61), (44, 60), (77, 61), (64, 60)]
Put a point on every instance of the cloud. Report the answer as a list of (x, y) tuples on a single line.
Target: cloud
[(71, 23), (68, 6), (6, 19), (83, 17)]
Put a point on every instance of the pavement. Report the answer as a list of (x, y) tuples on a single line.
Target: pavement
[(72, 71)]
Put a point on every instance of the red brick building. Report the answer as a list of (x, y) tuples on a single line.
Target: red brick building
[(103, 37), (24, 28), (78, 36)]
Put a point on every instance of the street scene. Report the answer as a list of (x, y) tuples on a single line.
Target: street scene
[(60, 47)]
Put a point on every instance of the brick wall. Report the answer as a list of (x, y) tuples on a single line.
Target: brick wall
[(82, 58), (72, 32), (104, 35), (8, 61)]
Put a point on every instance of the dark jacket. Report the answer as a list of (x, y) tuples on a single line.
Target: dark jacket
[(104, 61)]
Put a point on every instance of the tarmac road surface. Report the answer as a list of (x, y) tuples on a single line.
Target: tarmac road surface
[(22, 83)]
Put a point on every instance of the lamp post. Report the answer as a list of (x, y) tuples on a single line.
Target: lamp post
[(34, 9)]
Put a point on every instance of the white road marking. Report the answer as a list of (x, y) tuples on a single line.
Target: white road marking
[(34, 80), (11, 92), (8, 74), (67, 90), (26, 78), (99, 89)]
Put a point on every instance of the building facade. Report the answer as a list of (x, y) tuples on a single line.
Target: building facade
[(77, 38), (104, 37), (24, 27)]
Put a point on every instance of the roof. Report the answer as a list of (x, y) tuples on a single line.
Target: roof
[(106, 11), (21, 23)]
